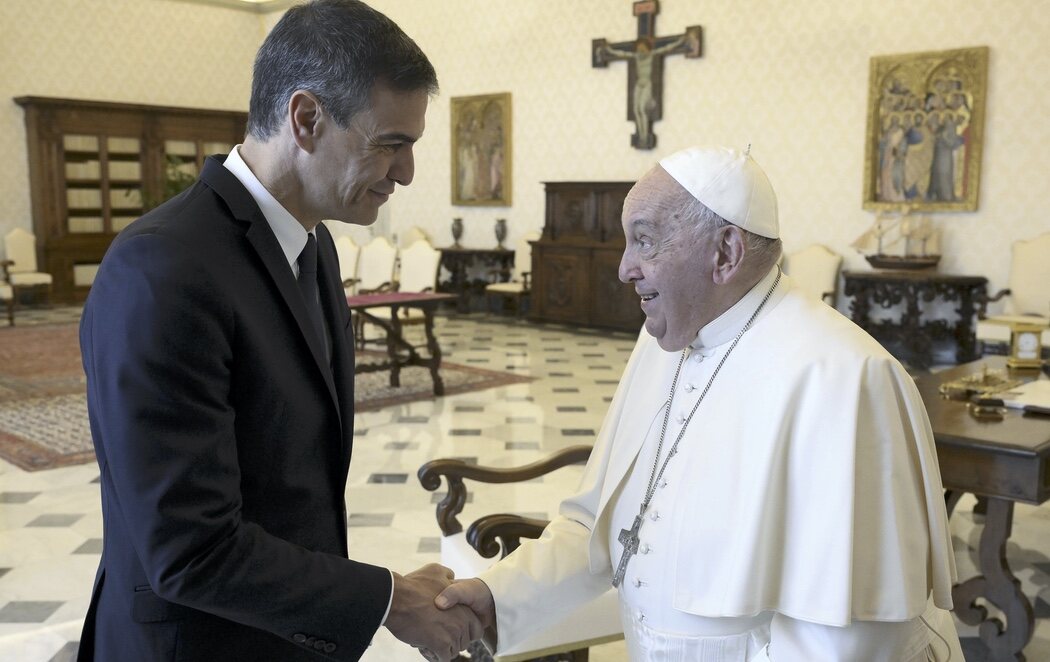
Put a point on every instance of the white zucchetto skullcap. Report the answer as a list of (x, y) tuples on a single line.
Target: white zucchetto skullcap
[(729, 183)]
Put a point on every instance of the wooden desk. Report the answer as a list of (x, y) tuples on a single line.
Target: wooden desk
[(471, 289), (395, 339), (911, 337), (1005, 461)]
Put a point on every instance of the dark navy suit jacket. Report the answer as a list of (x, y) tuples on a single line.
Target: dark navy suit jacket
[(223, 441)]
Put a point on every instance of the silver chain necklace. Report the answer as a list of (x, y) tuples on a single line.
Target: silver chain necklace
[(629, 537)]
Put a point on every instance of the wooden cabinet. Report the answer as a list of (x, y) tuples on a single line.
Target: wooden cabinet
[(94, 167), (575, 262)]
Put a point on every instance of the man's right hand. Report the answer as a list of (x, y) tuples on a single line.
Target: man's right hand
[(415, 620), (475, 594)]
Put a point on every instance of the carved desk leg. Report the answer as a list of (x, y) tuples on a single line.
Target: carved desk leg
[(391, 346), (998, 586), (435, 351)]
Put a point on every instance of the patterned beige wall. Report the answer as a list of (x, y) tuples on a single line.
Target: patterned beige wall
[(788, 77), (140, 51)]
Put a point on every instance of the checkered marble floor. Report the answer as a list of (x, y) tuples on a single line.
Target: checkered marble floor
[(50, 521)]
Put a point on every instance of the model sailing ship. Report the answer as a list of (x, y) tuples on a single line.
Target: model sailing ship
[(901, 242)]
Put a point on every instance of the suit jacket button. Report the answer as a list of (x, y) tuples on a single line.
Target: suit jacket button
[(298, 637), (310, 641), (329, 647), (319, 644)]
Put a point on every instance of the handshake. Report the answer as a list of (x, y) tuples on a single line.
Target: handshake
[(439, 616)]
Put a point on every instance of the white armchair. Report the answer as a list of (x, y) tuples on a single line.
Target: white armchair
[(816, 270), (418, 272), (519, 285), (1027, 297), (348, 253), (7, 298), (20, 248), (491, 536), (375, 266)]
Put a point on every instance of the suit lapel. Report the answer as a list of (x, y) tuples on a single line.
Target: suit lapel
[(262, 239)]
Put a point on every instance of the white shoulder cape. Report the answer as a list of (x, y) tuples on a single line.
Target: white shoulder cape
[(817, 492)]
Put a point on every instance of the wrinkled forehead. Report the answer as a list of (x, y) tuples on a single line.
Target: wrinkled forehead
[(656, 199)]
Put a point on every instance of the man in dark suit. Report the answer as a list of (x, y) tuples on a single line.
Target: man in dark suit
[(218, 352)]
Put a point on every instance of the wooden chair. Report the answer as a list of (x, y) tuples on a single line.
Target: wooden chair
[(1026, 297), (496, 535), (21, 273), (816, 270), (517, 287), (376, 267)]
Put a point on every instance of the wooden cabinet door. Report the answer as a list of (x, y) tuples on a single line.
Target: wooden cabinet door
[(560, 291), (613, 304)]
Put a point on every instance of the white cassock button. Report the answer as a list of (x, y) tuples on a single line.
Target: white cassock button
[(689, 388), (663, 483), (641, 616), (698, 357), (645, 549), (655, 515), (680, 418), (638, 583)]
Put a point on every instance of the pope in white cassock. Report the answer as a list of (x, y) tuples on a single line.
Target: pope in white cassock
[(765, 484)]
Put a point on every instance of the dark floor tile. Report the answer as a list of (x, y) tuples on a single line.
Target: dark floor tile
[(401, 445), (67, 653), (55, 520), (17, 497), (463, 409), (567, 409), (395, 479), (26, 611), (90, 546), (607, 382), (360, 432), (413, 419), (577, 432), (460, 432), (565, 389), (521, 419), (4, 571), (559, 374), (429, 545), (369, 519)]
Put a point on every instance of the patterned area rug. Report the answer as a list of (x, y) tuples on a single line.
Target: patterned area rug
[(43, 404)]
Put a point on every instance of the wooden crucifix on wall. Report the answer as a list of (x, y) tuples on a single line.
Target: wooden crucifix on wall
[(645, 70)]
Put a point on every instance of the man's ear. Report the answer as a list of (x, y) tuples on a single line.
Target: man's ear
[(730, 247), (305, 116)]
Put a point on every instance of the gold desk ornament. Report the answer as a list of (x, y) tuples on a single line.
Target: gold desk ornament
[(982, 384)]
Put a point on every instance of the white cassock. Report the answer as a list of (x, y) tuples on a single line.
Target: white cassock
[(802, 519)]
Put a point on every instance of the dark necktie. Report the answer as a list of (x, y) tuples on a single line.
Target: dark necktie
[(308, 288)]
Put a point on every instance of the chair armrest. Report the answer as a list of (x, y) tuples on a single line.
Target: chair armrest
[(982, 302), (526, 276), (455, 471), (349, 282), (4, 264), (385, 287), (485, 534)]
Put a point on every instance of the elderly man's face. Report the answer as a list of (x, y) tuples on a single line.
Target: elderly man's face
[(668, 261)]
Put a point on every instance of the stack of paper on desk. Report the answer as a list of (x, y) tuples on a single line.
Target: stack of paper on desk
[(1033, 394)]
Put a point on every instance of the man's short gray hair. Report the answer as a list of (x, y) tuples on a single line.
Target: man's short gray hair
[(338, 50), (761, 251)]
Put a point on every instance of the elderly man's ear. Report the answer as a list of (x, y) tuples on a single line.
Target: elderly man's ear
[(730, 247)]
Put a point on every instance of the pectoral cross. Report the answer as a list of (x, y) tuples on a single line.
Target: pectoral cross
[(629, 539), (645, 71)]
